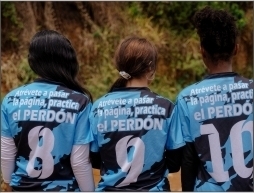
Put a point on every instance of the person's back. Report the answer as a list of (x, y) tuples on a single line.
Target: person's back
[(131, 125), (45, 128), (219, 121), (42, 120), (216, 114)]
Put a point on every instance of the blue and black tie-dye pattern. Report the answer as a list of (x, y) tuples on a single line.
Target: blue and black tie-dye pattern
[(131, 131), (216, 114), (45, 120)]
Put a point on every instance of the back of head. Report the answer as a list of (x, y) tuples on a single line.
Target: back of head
[(217, 31), (135, 56), (51, 56)]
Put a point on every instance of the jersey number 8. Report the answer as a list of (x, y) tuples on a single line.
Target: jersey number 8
[(42, 151)]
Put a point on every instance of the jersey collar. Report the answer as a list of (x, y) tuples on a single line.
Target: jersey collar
[(221, 75), (130, 89), (43, 80)]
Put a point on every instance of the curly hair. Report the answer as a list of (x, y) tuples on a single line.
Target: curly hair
[(217, 31)]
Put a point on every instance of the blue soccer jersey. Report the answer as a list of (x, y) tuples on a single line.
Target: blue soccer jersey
[(131, 131), (45, 120), (216, 115)]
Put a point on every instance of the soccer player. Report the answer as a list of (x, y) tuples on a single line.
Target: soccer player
[(45, 132), (216, 114), (131, 126)]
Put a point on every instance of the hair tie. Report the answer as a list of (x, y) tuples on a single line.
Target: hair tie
[(125, 75)]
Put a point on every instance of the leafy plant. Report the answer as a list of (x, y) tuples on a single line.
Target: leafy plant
[(26, 75), (9, 11)]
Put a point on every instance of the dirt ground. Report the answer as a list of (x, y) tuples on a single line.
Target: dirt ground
[(174, 180)]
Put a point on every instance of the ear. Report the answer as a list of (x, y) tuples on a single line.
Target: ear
[(236, 49)]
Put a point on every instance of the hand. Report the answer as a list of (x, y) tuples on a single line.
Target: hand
[(8, 187)]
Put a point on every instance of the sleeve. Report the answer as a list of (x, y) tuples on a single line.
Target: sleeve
[(189, 160), (83, 134), (94, 145), (82, 167), (189, 167), (94, 148), (95, 158), (8, 153), (5, 129), (175, 137), (182, 119), (173, 159)]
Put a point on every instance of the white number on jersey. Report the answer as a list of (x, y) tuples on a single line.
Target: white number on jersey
[(40, 151), (236, 147), (136, 165)]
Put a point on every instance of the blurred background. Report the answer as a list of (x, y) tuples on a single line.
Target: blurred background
[(96, 28)]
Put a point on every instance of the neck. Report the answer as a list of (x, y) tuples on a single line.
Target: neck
[(135, 82), (219, 67)]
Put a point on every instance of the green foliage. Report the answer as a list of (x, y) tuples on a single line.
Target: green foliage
[(178, 15), (163, 86), (232, 7), (10, 25), (8, 11), (246, 72), (100, 83), (26, 75), (168, 24), (134, 9)]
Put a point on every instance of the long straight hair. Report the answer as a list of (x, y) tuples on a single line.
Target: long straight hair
[(135, 56), (51, 56)]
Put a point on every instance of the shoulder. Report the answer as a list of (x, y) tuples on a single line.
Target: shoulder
[(83, 100), (189, 90), (99, 101), (13, 93), (245, 80), (162, 98)]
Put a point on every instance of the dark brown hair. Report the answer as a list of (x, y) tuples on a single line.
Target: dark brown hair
[(135, 56)]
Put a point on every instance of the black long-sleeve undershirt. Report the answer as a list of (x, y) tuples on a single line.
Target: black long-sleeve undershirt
[(95, 158), (189, 167), (173, 159)]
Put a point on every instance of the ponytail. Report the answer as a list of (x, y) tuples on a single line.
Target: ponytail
[(119, 83)]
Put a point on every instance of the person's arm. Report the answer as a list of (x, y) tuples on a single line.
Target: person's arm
[(8, 153), (189, 167), (175, 143), (95, 159), (173, 159), (82, 168), (94, 147), (8, 188)]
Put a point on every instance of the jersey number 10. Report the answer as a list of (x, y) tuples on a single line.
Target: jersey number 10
[(236, 147)]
